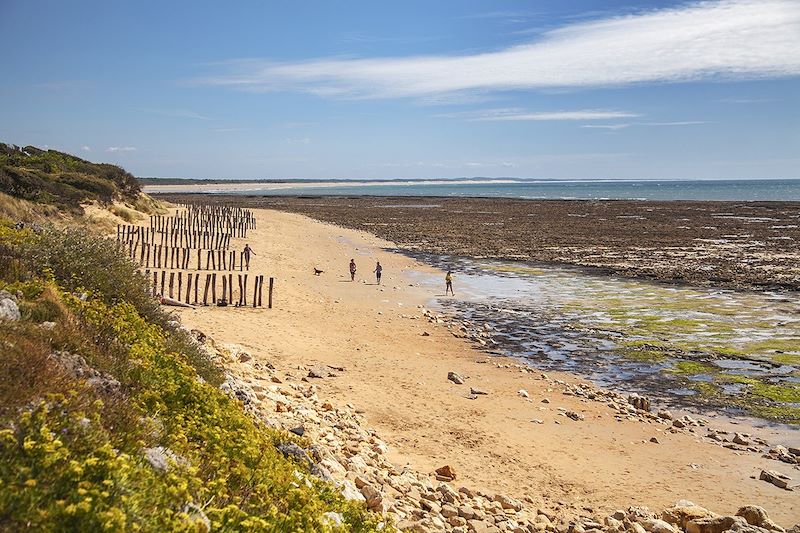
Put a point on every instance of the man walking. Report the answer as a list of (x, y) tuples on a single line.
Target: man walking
[(378, 270)]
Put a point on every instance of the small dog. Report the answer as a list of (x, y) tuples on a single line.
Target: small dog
[(317, 271)]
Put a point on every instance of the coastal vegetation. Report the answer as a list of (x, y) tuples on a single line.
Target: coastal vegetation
[(64, 181)]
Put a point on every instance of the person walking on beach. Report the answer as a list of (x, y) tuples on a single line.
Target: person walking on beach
[(448, 280), (378, 270), (246, 253), (352, 270)]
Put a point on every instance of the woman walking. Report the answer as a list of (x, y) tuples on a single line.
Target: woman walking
[(448, 280), (378, 270), (352, 270)]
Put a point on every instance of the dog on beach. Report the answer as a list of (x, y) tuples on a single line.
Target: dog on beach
[(317, 271)]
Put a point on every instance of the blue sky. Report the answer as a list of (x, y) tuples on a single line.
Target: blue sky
[(412, 89)]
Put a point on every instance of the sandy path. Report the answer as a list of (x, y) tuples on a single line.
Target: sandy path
[(398, 377)]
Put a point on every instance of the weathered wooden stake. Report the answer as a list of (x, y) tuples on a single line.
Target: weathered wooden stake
[(269, 301)]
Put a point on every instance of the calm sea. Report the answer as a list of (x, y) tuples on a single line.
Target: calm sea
[(783, 189)]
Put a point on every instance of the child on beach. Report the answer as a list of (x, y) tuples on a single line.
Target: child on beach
[(352, 270), (448, 280), (378, 269), (246, 252)]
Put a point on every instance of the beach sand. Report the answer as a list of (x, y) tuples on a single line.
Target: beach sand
[(398, 377)]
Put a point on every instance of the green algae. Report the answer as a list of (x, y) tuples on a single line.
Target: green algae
[(692, 368), (787, 358)]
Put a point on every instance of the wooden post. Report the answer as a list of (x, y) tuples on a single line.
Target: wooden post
[(240, 290), (171, 284), (180, 284), (244, 291), (196, 283), (224, 288), (255, 293), (230, 289), (260, 289), (188, 287), (163, 281), (155, 284), (198, 259), (205, 291), (214, 288), (269, 300)]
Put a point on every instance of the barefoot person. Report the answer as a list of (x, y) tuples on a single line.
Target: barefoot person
[(246, 252), (378, 270), (352, 270), (448, 280)]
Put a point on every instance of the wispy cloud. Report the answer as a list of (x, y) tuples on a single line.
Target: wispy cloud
[(121, 149), (178, 113), (86, 148), (227, 130), (728, 39), (745, 100), (614, 127), (516, 114)]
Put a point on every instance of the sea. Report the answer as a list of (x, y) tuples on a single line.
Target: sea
[(735, 190)]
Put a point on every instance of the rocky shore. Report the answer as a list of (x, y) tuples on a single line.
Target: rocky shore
[(341, 449), (732, 244)]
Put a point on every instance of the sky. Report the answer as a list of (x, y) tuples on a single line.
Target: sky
[(561, 89)]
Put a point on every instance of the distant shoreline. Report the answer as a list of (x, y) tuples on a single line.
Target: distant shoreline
[(242, 186)]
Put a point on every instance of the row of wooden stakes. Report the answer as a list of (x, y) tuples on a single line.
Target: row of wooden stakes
[(128, 233), (171, 284), (157, 256)]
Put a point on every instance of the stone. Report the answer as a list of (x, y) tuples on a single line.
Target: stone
[(508, 503), (159, 457), (373, 497), (716, 524), (523, 393), (448, 511), (455, 378), (641, 403), (299, 431), (197, 517), (664, 415), (753, 514), (684, 512), (350, 492), (739, 439), (678, 423), (319, 371), (655, 440), (446, 471), (573, 415), (655, 525), (332, 520), (473, 390), (776, 478), (9, 310), (545, 400)]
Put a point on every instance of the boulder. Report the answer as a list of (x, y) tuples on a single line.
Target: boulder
[(776, 478), (680, 515)]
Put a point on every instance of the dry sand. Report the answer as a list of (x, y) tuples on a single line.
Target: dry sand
[(399, 378)]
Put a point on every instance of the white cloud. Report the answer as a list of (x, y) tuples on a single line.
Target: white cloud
[(178, 113), (729, 39), (614, 127), (86, 148), (121, 149), (516, 114)]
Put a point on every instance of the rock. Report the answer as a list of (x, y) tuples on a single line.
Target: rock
[(48, 326), (776, 478), (664, 415), (446, 471), (573, 415), (448, 511), (299, 431), (739, 439), (654, 525), (678, 423), (523, 393), (372, 496), (473, 390), (455, 378), (757, 516), (296, 452), (160, 457), (684, 512), (332, 520), (508, 503), (654, 440), (716, 524), (350, 492), (639, 402), (8, 307), (545, 400), (319, 371)]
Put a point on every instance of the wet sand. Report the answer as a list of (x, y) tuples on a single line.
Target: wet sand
[(398, 377), (729, 244)]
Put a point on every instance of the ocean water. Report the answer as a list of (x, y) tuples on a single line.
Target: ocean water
[(751, 190)]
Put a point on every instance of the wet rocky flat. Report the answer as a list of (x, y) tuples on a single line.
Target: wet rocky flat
[(700, 347)]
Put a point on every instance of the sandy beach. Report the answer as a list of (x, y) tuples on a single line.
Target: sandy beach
[(395, 370)]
